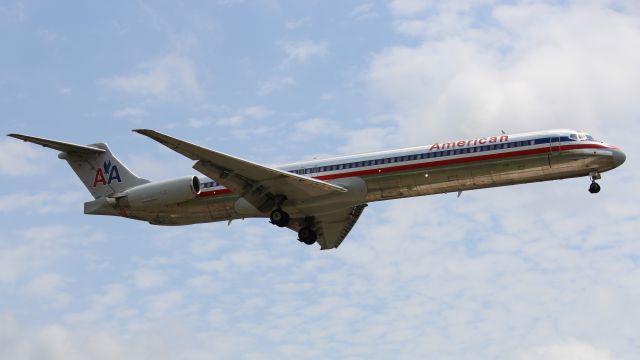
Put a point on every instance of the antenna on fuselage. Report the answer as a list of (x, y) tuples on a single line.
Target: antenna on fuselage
[(503, 133)]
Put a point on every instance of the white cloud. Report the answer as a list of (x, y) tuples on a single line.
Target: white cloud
[(370, 139), (409, 7), (301, 51), (317, 126), (569, 350), (247, 133), (14, 12), (295, 24), (130, 113), (39, 247), (113, 294), (103, 305), (256, 112), (233, 120), (49, 286), (275, 84), (364, 11), (164, 303), (171, 77), (149, 278), (44, 202), (18, 158), (239, 118), (539, 67), (159, 166)]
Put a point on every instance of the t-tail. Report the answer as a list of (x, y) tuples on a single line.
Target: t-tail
[(98, 169)]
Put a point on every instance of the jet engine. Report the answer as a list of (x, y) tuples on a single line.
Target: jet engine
[(160, 193)]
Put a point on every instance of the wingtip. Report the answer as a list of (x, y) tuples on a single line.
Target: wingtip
[(16, 136), (145, 132)]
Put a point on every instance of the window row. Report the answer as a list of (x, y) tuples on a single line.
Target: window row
[(405, 158)]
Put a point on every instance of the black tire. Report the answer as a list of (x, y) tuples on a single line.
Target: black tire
[(307, 235), (279, 218), (594, 188)]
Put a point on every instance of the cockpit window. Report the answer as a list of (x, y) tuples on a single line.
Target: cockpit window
[(585, 137), (573, 137)]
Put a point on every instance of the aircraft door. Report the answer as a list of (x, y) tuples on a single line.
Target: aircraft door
[(554, 149)]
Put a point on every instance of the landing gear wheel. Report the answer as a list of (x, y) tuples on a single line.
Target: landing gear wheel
[(279, 218), (307, 235), (594, 188)]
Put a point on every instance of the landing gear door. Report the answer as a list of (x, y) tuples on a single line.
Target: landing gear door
[(554, 150)]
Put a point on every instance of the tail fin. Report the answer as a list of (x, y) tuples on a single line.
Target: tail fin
[(101, 172)]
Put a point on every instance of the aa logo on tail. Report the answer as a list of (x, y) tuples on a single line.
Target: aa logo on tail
[(101, 174)]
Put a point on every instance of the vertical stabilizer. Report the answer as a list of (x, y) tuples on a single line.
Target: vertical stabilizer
[(102, 173)]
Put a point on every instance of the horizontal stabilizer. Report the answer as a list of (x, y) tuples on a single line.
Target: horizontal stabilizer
[(59, 145)]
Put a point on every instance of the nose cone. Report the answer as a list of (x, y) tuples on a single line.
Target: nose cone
[(618, 158)]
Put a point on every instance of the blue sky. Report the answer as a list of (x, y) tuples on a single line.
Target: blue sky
[(539, 271)]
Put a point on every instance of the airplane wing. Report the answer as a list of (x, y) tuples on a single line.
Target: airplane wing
[(258, 184), (334, 227)]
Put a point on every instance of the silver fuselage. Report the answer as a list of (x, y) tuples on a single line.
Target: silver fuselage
[(433, 169)]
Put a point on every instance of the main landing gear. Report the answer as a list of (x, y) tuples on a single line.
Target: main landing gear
[(306, 234), (279, 218), (594, 188)]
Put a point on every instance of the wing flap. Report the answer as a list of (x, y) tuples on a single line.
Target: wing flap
[(333, 227)]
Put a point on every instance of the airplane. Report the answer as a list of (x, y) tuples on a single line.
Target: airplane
[(323, 199)]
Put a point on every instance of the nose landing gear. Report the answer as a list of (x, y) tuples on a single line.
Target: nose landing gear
[(594, 188)]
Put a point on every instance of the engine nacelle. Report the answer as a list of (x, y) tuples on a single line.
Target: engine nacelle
[(159, 193)]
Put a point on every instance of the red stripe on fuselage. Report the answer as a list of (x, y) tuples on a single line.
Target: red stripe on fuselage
[(444, 162)]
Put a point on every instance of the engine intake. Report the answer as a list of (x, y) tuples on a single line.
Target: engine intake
[(160, 193)]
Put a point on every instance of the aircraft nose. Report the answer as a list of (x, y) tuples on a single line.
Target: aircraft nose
[(618, 157)]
